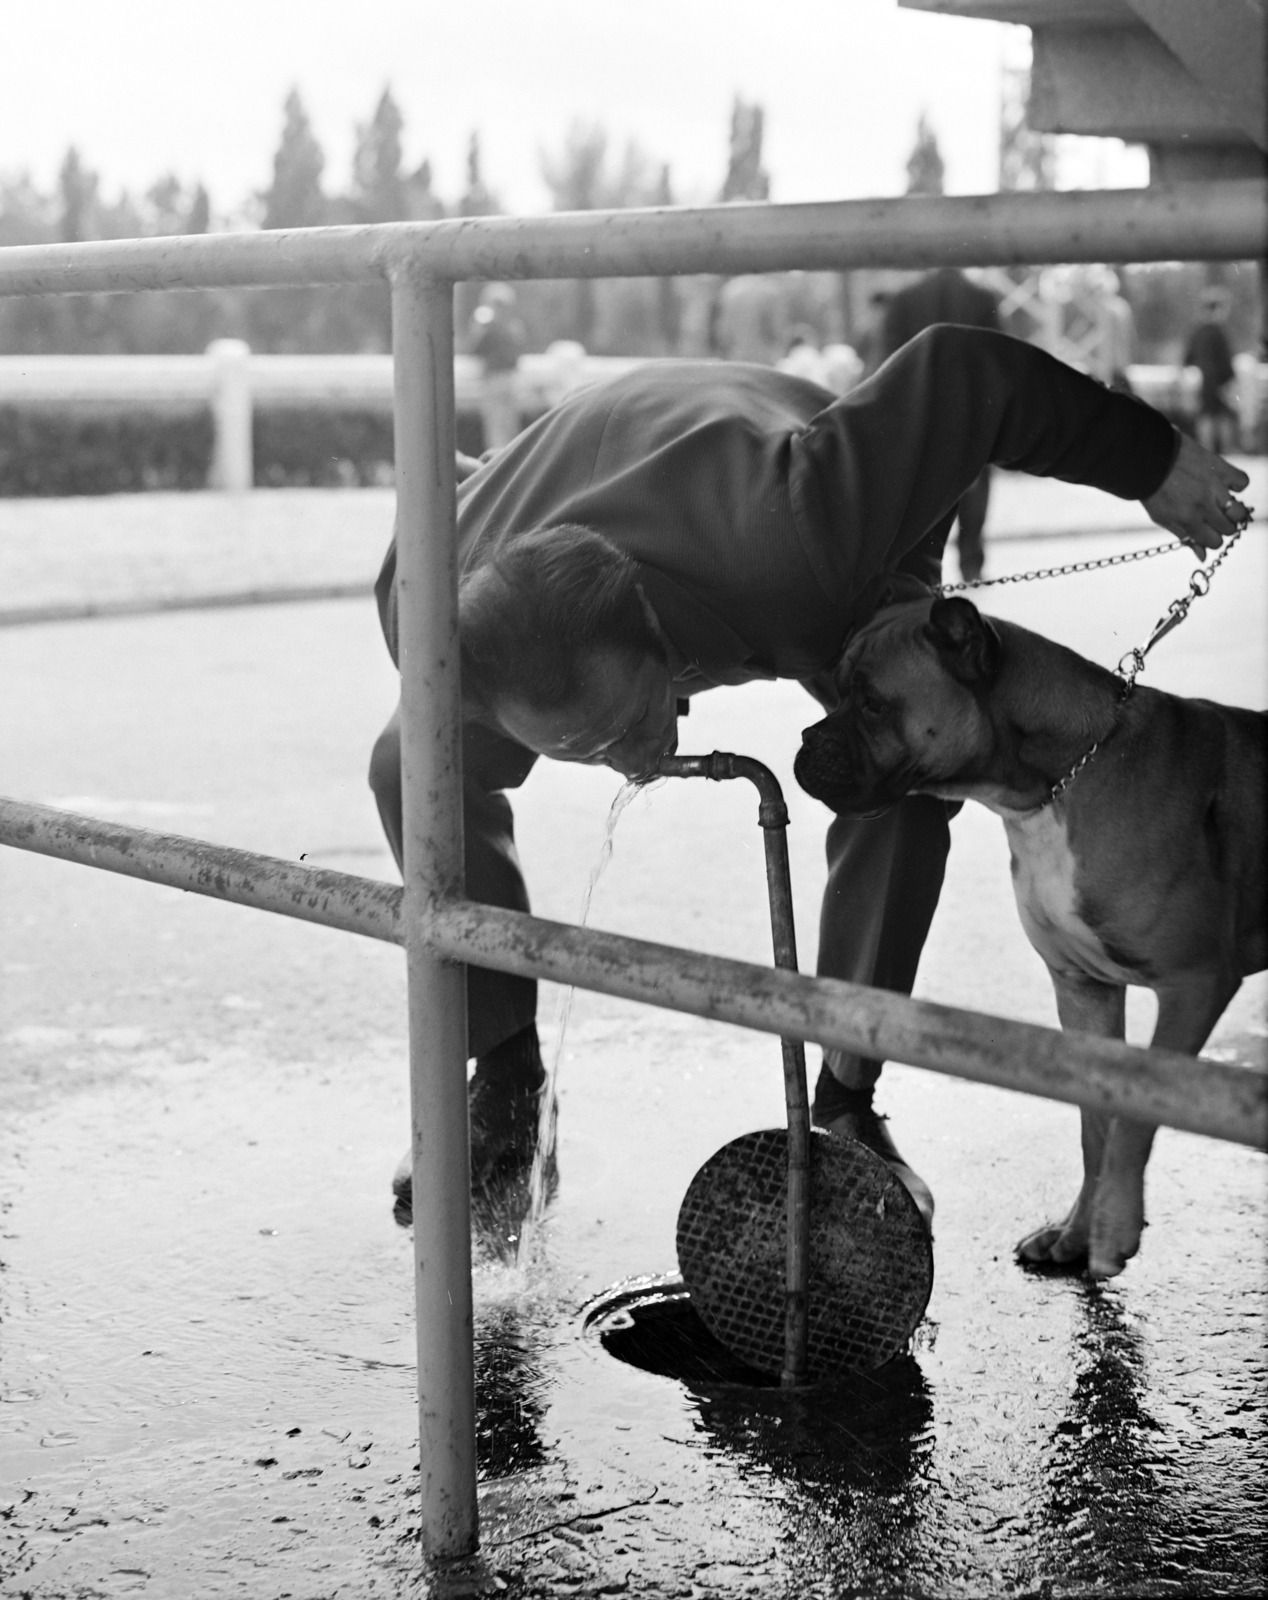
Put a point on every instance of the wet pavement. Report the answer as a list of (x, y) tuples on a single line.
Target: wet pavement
[(206, 1375)]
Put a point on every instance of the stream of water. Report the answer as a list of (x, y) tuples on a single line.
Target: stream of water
[(549, 1114)]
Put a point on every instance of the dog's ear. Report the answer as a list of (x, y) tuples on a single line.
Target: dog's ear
[(896, 588), (885, 589), (967, 644)]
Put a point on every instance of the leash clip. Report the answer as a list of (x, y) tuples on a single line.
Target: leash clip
[(1130, 665), (1177, 611)]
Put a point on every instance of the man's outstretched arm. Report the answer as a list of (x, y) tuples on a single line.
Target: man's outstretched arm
[(895, 456)]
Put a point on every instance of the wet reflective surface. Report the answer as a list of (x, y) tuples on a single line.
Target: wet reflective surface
[(206, 1356)]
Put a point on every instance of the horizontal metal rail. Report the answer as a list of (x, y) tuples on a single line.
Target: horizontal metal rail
[(1209, 221), (1220, 1099), (335, 899)]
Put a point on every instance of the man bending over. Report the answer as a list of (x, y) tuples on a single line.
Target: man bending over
[(695, 525)]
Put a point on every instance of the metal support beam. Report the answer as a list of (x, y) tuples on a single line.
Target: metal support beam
[(1222, 46), (221, 872), (1220, 1099), (1200, 222), (431, 774), (1216, 1098)]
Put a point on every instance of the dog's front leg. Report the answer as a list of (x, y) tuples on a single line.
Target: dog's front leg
[(1118, 1208), (1085, 1006), (1187, 1012)]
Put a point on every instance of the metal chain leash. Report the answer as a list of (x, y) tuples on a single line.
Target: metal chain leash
[(1060, 572), (1133, 663)]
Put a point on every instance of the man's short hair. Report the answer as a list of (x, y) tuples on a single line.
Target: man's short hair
[(530, 615)]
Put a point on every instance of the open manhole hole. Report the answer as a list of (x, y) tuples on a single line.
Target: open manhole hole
[(650, 1323)]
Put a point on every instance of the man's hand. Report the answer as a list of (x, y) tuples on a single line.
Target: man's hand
[(1196, 500)]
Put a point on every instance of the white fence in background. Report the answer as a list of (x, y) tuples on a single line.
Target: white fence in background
[(233, 382)]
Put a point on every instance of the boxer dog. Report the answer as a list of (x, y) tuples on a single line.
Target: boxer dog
[(1143, 864)]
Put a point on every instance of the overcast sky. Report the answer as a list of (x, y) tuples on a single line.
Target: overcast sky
[(146, 86)]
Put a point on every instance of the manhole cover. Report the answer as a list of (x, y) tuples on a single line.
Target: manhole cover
[(871, 1259)]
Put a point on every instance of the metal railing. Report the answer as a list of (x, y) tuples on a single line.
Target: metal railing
[(438, 926)]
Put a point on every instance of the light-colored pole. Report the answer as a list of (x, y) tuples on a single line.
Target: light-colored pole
[(232, 466), (431, 772)]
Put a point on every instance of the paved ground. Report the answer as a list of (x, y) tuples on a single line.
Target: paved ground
[(207, 1377), (66, 554)]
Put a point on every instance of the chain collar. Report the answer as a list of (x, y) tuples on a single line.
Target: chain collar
[(1059, 786)]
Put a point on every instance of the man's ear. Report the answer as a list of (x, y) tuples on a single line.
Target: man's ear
[(653, 621), (967, 644)]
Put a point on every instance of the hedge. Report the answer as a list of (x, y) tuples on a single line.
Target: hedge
[(50, 451)]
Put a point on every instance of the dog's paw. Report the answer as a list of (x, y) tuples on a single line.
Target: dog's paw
[(1117, 1222), (1111, 1248), (1058, 1245)]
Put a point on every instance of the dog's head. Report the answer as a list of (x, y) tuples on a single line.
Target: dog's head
[(914, 685)]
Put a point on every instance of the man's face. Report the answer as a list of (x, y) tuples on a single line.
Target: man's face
[(625, 716)]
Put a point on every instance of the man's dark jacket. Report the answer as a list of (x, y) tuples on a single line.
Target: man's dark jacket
[(761, 510)]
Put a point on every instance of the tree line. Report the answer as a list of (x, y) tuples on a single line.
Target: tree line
[(587, 172), (607, 316)]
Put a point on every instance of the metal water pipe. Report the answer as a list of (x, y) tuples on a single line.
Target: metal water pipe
[(772, 814)]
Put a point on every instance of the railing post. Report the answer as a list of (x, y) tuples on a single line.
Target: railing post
[(232, 467), (431, 771)]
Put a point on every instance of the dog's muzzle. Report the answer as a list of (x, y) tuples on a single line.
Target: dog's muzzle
[(835, 767)]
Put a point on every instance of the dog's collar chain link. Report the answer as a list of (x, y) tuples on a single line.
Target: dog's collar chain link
[(1073, 773), (1133, 663)]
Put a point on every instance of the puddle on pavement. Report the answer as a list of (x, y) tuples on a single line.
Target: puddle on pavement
[(207, 1383), (207, 1378)]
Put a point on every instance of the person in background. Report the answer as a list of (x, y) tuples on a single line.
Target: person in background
[(751, 323), (946, 295), (498, 340), (803, 357), (1209, 351), (870, 343), (834, 367), (1115, 334)]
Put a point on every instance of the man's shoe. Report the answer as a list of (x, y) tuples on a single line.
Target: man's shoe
[(869, 1129), (503, 1107)]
